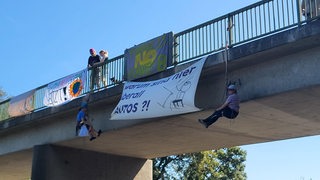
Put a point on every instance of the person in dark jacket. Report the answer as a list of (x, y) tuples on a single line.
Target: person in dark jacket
[(93, 60)]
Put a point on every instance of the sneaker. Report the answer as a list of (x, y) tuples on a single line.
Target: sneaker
[(99, 132), (92, 138), (204, 124)]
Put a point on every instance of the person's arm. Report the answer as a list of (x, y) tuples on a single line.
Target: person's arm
[(225, 104), (96, 61), (222, 106), (101, 59), (89, 62), (82, 117)]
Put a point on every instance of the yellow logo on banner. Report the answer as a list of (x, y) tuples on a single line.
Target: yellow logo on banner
[(144, 61), (145, 58), (149, 57)]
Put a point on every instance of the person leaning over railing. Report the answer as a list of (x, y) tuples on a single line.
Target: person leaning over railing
[(310, 8), (94, 59), (104, 73)]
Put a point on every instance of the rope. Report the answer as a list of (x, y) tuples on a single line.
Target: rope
[(226, 76), (226, 51)]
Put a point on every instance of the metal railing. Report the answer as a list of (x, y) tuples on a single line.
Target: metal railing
[(250, 23), (244, 25), (110, 73)]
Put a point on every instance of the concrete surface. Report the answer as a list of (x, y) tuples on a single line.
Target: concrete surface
[(267, 119), (16, 166), (62, 163)]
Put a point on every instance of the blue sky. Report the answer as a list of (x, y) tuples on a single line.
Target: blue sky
[(42, 41)]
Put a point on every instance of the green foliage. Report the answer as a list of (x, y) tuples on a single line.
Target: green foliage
[(222, 164), (4, 106), (176, 163), (2, 95)]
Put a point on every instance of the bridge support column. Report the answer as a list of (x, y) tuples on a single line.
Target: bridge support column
[(63, 163)]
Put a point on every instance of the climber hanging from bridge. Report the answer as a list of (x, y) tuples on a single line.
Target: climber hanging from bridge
[(84, 125), (230, 109)]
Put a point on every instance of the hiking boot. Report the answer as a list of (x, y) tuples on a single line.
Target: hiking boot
[(204, 124), (99, 132)]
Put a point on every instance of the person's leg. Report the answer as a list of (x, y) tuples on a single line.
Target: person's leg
[(104, 76), (92, 79), (213, 118), (97, 78), (229, 113), (91, 132), (77, 128)]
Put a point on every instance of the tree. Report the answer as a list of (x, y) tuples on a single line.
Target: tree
[(2, 95), (4, 107), (222, 164)]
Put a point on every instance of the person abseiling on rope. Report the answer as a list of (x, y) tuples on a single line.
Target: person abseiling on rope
[(230, 109), (83, 120)]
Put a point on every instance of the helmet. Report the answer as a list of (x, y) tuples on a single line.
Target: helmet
[(232, 87)]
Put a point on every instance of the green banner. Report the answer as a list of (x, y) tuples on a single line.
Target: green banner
[(149, 57)]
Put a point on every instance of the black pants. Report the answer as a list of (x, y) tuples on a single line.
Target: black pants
[(226, 112), (94, 78)]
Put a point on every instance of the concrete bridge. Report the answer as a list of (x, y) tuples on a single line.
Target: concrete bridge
[(279, 82)]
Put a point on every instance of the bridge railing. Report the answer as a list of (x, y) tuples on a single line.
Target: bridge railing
[(110, 73), (258, 20), (244, 25)]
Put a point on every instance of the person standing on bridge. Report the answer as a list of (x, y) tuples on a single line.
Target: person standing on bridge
[(230, 109), (93, 60), (103, 59), (310, 8)]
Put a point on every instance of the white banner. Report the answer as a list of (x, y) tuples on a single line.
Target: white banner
[(22, 104), (164, 97), (65, 89)]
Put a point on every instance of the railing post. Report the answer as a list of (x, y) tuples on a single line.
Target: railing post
[(299, 12), (175, 50), (229, 29)]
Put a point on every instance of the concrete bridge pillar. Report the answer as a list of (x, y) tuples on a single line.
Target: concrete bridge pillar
[(64, 163)]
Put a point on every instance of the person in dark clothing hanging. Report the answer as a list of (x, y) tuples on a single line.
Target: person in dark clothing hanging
[(230, 109), (83, 120), (93, 60)]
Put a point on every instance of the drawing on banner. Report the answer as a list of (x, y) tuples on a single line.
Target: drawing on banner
[(22, 104), (65, 89), (180, 90), (164, 97), (167, 98)]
